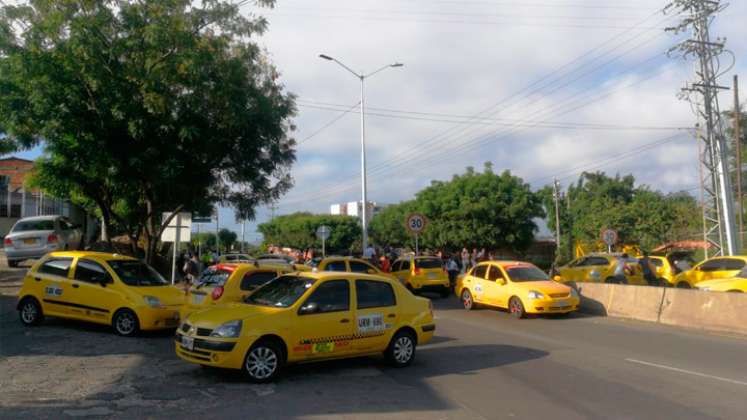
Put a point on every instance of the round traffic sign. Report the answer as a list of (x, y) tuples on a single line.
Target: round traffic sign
[(323, 232), (416, 223), (609, 236)]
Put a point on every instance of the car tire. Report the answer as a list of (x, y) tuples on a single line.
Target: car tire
[(445, 293), (516, 308), (468, 301), (13, 263), (125, 323), (263, 362), (401, 350), (30, 312)]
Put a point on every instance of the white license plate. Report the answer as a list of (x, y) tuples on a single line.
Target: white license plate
[(197, 299), (561, 303), (188, 343), (432, 276)]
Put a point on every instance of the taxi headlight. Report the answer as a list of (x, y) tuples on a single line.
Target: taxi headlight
[(535, 295), (152, 301), (574, 293), (230, 329)]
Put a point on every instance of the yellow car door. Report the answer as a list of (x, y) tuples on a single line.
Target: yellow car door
[(376, 315), (595, 269), (53, 276), (324, 321), (94, 293), (477, 283), (495, 287), (573, 271), (401, 270)]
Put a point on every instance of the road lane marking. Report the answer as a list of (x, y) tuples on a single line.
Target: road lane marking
[(689, 372)]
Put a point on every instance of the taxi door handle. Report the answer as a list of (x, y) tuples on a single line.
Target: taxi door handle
[(37, 278), (344, 321), (75, 286)]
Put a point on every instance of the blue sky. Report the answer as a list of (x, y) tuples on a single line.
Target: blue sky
[(463, 57)]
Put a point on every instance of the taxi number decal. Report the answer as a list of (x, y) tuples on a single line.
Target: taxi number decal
[(478, 289), (370, 323), (53, 290), (328, 347)]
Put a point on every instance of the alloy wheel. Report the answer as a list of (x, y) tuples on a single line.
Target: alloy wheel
[(261, 363), (403, 349)]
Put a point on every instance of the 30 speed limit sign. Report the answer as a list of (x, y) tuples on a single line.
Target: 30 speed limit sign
[(416, 223)]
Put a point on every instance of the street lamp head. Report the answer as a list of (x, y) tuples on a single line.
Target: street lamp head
[(397, 65), (326, 57)]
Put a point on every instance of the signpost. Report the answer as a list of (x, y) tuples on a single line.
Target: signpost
[(323, 232), (416, 225), (609, 237), (177, 231)]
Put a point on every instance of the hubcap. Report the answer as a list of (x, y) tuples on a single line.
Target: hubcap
[(28, 313), (403, 349), (467, 300), (125, 323), (261, 363), (515, 307)]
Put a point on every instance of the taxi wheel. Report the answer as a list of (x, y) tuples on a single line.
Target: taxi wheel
[(263, 362), (467, 301), (516, 308), (30, 312), (125, 323), (401, 350)]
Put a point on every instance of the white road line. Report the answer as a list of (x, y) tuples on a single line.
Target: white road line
[(689, 372)]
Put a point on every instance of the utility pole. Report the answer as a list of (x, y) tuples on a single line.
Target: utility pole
[(243, 230), (697, 17), (556, 196), (738, 158), (273, 207)]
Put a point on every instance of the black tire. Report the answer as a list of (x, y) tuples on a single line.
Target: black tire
[(30, 312), (445, 293), (13, 263), (516, 308), (467, 301), (263, 362), (683, 285), (125, 323), (401, 350), (611, 280)]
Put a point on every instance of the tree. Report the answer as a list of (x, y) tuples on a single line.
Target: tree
[(298, 231), (227, 238), (387, 228), (146, 107), (204, 240)]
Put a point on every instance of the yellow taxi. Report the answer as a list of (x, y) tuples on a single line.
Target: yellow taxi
[(347, 264), (235, 258), (308, 316), (667, 267), (600, 268), (711, 269), (98, 287), (422, 274), (520, 287), (737, 284), (226, 283)]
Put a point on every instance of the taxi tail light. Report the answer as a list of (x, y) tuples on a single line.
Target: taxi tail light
[(52, 238), (8, 242), (416, 271), (217, 293)]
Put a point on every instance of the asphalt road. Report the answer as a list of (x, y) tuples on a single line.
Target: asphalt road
[(482, 365)]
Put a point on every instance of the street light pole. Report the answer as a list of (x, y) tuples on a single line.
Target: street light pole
[(364, 190)]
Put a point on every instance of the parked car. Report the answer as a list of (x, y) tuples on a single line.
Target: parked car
[(600, 268), (347, 264), (711, 269), (422, 274), (670, 265), (34, 237)]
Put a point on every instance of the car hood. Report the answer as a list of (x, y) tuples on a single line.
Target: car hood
[(168, 295), (544, 286), (217, 315)]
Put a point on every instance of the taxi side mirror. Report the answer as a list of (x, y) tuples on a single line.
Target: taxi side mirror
[(501, 281), (309, 308)]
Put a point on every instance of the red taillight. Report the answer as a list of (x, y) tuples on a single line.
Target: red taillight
[(8, 242), (416, 271), (52, 238), (217, 293)]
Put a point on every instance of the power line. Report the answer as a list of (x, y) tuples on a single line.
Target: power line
[(332, 121)]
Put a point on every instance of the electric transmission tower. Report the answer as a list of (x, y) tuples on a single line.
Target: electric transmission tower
[(718, 199)]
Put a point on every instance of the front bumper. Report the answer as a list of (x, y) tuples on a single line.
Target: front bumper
[(552, 306), (223, 353), (158, 318)]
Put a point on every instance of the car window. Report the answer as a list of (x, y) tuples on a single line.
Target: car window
[(91, 272), (56, 267), (213, 277), (526, 273), (710, 265), (427, 263), (335, 266), (29, 225), (494, 273), (331, 296), (732, 264), (405, 265), (479, 271), (136, 273), (374, 294), (596, 261), (360, 267), (656, 262), (396, 266), (254, 279), (282, 292)]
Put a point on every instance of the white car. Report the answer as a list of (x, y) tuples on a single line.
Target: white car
[(34, 237)]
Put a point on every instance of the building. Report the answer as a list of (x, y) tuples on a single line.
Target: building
[(354, 208), (17, 202)]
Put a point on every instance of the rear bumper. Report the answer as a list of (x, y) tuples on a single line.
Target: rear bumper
[(15, 254), (158, 318)]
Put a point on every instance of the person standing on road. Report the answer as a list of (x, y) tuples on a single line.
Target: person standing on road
[(473, 258), (453, 269), (648, 270), (465, 260), (620, 269)]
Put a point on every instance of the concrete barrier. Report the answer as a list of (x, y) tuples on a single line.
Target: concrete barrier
[(710, 311)]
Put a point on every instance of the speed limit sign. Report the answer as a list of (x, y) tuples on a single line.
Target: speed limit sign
[(609, 237), (416, 223)]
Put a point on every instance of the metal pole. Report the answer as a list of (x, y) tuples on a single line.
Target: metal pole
[(364, 211), (556, 195), (738, 160), (243, 229), (324, 248), (417, 248), (177, 237)]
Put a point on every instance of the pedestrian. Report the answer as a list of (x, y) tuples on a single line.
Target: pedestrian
[(491, 256), (384, 263), (648, 270), (191, 271), (481, 256), (473, 257), (453, 269), (620, 269), (370, 254), (465, 260)]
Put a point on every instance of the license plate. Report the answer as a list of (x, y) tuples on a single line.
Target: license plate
[(432, 276), (188, 343), (197, 299), (29, 241), (561, 303)]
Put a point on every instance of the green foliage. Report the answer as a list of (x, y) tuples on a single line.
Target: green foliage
[(146, 106), (205, 240), (298, 231), (388, 226), (227, 238), (472, 210)]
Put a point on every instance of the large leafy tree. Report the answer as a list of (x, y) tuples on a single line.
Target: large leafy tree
[(298, 230), (388, 227), (146, 106)]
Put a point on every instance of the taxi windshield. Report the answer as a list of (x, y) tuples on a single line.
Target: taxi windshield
[(136, 273), (282, 292), (213, 277), (526, 273)]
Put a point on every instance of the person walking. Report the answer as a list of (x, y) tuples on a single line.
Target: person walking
[(621, 269), (384, 263), (465, 260), (648, 270), (191, 271), (473, 257), (453, 269)]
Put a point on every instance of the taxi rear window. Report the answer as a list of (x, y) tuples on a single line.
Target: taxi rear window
[(282, 292), (427, 263), (213, 277)]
